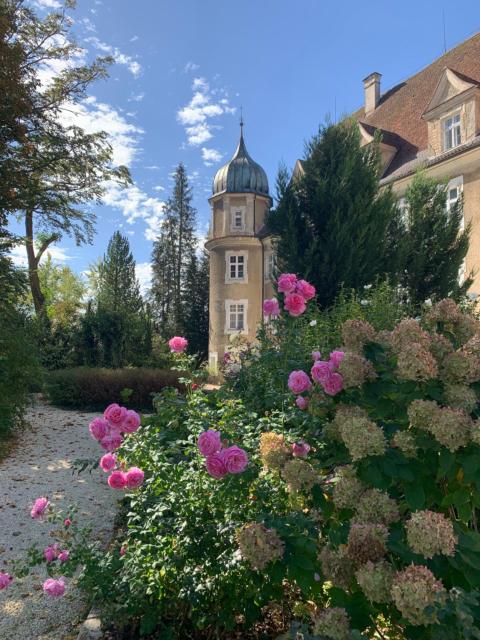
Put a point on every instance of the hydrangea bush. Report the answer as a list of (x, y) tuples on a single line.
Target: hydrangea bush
[(348, 510)]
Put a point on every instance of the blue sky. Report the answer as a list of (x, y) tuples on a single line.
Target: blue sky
[(184, 67)]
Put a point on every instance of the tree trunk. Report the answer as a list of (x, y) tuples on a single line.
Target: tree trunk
[(37, 295)]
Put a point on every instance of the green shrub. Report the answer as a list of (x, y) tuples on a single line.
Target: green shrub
[(93, 389)]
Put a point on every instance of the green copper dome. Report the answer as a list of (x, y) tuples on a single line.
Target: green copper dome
[(241, 174)]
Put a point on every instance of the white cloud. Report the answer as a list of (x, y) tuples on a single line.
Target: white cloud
[(48, 4), (137, 97), (152, 167), (136, 204), (143, 271), (134, 39), (159, 188), (210, 156), (19, 256), (190, 67), (120, 58), (88, 24), (203, 106)]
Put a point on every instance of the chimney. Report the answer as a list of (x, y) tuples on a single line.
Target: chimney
[(371, 85)]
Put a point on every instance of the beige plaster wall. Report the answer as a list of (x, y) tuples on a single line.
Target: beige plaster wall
[(468, 126), (471, 210)]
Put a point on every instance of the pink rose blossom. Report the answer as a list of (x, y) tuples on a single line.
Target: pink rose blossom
[(298, 382), (286, 282), (67, 522), (300, 449), (215, 465), (302, 402), (117, 480), (271, 308), (333, 385), (316, 355), (235, 459), (295, 304), (132, 421), (111, 441), (336, 358), (115, 415), (177, 344), (50, 553), (55, 588), (5, 580), (98, 428), (39, 507), (63, 556), (108, 462), (135, 477), (123, 551), (209, 442), (321, 371), (305, 289)]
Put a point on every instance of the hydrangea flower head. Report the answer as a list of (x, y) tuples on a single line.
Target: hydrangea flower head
[(259, 545)]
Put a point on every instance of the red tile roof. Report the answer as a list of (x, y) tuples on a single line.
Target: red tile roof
[(400, 109)]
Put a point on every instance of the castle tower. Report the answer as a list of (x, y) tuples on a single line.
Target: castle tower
[(241, 256)]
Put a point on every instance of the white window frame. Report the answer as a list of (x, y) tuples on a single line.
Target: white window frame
[(455, 183), (452, 131), (234, 211), (269, 265), (228, 311), (228, 262)]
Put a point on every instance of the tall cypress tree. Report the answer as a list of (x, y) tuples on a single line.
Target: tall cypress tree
[(172, 255), (335, 226), (118, 285), (195, 304), (434, 243)]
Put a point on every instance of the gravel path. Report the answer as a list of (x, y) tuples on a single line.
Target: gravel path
[(40, 466)]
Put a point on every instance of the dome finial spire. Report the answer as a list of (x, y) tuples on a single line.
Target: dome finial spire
[(241, 121)]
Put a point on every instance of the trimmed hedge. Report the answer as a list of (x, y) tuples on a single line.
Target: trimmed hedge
[(94, 388)]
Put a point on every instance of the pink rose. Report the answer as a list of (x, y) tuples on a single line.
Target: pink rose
[(336, 358), (298, 382), (294, 304), (98, 428), (300, 449), (123, 551), (209, 442), (132, 421), (39, 507), (67, 522), (286, 282), (135, 477), (63, 556), (111, 441), (108, 462), (333, 385), (5, 580), (55, 588), (50, 553), (321, 371), (115, 415), (215, 465), (316, 355), (117, 480), (305, 289), (271, 308), (177, 344), (302, 402), (235, 459)]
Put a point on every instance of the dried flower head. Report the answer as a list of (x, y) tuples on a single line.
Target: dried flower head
[(460, 396), (413, 590), (299, 475), (273, 450), (362, 437), (337, 566), (356, 334), (377, 507), (459, 367), (367, 542), (347, 489), (415, 362), (405, 441), (444, 312), (259, 545), (452, 428), (408, 332), (422, 413), (375, 580), (355, 370), (332, 623), (440, 347), (429, 533)]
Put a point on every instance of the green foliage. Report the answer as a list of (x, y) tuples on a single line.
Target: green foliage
[(434, 243), (335, 226), (195, 304), (93, 389), (63, 291)]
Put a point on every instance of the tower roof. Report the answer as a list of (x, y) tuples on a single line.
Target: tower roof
[(241, 174)]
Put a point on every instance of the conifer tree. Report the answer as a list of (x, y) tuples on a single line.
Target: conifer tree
[(335, 226), (195, 305), (434, 243), (118, 287)]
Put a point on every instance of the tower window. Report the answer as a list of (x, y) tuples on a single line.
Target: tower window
[(452, 136), (237, 219), (269, 265), (236, 316), (236, 266)]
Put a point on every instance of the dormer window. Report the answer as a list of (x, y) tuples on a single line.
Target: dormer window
[(452, 136), (237, 219)]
